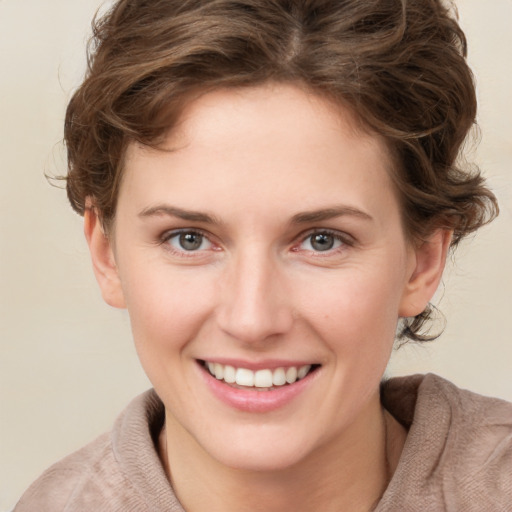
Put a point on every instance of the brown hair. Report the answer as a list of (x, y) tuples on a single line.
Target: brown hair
[(399, 64)]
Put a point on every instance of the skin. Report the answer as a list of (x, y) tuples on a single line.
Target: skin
[(255, 161)]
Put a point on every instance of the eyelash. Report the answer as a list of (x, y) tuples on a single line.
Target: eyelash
[(344, 239), (170, 235)]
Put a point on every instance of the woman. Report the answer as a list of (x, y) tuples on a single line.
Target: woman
[(270, 189)]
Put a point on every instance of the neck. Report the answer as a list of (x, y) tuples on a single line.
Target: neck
[(348, 473)]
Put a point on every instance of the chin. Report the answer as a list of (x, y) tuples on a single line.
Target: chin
[(264, 454), (261, 461)]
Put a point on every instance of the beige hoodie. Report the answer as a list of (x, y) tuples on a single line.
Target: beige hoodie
[(457, 457)]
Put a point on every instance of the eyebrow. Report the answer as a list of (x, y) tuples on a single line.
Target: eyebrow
[(180, 213), (329, 213), (299, 218)]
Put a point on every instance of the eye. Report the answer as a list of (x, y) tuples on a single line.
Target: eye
[(322, 241), (188, 241)]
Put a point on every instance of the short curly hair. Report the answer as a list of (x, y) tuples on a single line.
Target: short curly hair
[(398, 64)]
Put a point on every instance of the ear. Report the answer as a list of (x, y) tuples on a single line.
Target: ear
[(103, 262), (428, 262)]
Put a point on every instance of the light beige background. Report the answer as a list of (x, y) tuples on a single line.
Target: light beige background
[(67, 366)]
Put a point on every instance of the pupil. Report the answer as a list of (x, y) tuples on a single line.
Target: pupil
[(191, 241), (322, 242)]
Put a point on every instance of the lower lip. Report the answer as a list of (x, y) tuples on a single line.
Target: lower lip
[(256, 401)]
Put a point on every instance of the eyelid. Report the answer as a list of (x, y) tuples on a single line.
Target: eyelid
[(170, 233), (173, 233), (346, 240)]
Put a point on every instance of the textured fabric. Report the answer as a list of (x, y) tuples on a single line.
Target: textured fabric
[(457, 457), (119, 472), (458, 453)]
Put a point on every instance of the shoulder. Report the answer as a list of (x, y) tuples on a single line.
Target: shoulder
[(477, 429), (88, 472), (482, 424), (434, 402), (458, 452), (98, 476), (478, 433)]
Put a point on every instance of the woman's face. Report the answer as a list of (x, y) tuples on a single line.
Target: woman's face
[(267, 241)]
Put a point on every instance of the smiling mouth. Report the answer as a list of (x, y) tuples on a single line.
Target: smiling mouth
[(259, 380)]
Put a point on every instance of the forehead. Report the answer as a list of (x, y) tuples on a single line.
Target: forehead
[(276, 142), (281, 108)]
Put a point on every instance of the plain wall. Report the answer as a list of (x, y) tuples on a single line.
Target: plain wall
[(67, 365)]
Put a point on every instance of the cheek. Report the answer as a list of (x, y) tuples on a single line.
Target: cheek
[(167, 306), (356, 310)]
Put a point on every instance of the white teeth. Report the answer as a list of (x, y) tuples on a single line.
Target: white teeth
[(244, 377), (265, 378), (279, 377), (291, 375), (303, 371), (219, 371), (229, 374)]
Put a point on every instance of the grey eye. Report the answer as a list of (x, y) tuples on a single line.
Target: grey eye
[(184, 241), (190, 241), (322, 241)]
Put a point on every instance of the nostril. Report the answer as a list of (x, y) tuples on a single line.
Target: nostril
[(255, 324)]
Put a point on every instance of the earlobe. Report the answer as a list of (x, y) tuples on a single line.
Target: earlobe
[(424, 278), (103, 262)]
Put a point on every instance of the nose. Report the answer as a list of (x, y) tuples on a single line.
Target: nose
[(254, 306)]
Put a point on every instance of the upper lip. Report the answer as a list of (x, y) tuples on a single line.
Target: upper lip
[(270, 364)]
